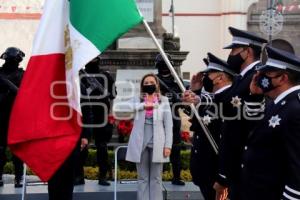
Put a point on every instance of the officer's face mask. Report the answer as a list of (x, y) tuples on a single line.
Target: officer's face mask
[(208, 84), (149, 89), (235, 62), (265, 82)]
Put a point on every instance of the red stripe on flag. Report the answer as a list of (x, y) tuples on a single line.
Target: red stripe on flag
[(36, 136)]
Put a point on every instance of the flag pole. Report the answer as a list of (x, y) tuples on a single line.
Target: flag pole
[(180, 84), (24, 182)]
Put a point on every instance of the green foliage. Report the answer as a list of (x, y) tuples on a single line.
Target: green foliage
[(185, 159), (9, 168), (91, 160), (8, 154), (126, 170)]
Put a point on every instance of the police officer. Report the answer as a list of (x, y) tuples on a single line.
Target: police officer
[(170, 88), (101, 90), (271, 158), (216, 80), (243, 59), (10, 79)]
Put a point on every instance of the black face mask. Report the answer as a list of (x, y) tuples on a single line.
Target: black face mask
[(149, 89), (208, 84), (163, 69), (265, 82), (11, 64), (235, 62)]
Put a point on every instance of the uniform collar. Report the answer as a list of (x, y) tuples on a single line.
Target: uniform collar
[(222, 89), (248, 68), (285, 93)]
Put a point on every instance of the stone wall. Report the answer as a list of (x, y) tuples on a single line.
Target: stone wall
[(290, 33)]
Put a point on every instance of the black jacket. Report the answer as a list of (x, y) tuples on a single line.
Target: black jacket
[(248, 110), (87, 115), (204, 160), (100, 91), (271, 157), (170, 89), (7, 96)]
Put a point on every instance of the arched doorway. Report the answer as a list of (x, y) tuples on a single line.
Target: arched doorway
[(283, 45), (288, 38)]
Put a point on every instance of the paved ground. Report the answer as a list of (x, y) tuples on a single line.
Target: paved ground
[(9, 179), (92, 191)]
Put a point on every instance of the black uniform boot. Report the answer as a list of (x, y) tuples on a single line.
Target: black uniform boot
[(178, 182), (103, 182), (79, 181)]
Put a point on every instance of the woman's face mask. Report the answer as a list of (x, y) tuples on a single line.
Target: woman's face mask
[(149, 89)]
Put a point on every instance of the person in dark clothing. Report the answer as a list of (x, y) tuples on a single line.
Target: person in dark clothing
[(101, 92), (86, 133), (10, 80), (243, 59), (216, 80), (61, 184), (79, 167), (271, 156), (170, 89), (102, 152)]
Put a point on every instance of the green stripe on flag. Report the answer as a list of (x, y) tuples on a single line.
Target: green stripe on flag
[(103, 21)]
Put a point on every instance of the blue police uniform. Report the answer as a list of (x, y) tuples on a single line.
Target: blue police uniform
[(271, 159), (204, 160), (247, 107)]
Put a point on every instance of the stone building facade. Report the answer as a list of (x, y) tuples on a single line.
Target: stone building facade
[(201, 25), (288, 36)]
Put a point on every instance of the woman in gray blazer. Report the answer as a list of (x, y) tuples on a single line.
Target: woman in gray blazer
[(150, 141)]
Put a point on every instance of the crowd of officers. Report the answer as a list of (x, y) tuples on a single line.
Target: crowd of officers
[(250, 109)]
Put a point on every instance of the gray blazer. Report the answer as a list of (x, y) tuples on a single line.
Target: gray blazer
[(162, 130)]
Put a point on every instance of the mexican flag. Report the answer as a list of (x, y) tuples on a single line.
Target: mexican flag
[(45, 123)]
